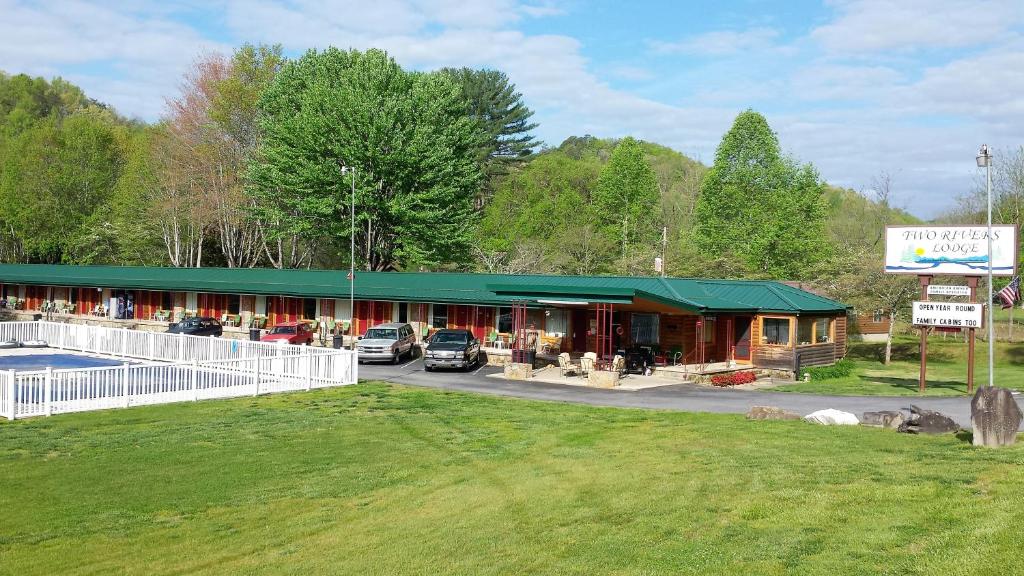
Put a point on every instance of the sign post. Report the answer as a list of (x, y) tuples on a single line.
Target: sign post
[(967, 251), (922, 377), (972, 283)]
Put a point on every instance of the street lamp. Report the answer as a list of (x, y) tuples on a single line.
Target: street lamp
[(352, 256), (984, 159)]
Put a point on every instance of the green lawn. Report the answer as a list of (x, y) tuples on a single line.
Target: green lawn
[(379, 479), (947, 369)]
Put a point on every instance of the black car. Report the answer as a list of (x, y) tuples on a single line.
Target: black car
[(451, 349), (202, 326)]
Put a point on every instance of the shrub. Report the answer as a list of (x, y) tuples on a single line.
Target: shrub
[(838, 370), (733, 379)]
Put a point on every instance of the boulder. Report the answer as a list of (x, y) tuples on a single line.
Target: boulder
[(884, 419), (995, 416), (603, 379), (518, 371), (832, 417), (771, 413), (923, 421)]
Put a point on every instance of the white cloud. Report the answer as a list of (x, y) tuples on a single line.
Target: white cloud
[(720, 42), (865, 26), (145, 57)]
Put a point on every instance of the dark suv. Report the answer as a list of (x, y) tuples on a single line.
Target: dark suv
[(451, 349), (202, 326)]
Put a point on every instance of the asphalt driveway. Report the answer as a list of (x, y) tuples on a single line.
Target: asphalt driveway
[(681, 397)]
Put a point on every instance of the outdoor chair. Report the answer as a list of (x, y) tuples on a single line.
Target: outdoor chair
[(345, 325), (492, 340), (619, 364), (586, 365), (567, 366), (331, 324)]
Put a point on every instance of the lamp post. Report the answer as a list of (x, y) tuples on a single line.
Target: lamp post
[(984, 159), (352, 256)]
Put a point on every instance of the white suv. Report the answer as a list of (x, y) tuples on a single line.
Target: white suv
[(388, 342)]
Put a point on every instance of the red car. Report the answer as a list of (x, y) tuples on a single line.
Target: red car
[(290, 333)]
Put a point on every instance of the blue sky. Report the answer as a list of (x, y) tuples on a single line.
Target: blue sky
[(857, 87)]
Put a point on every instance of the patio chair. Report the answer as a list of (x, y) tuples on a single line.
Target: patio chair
[(566, 365), (587, 364), (491, 341), (345, 325), (331, 324), (619, 364)]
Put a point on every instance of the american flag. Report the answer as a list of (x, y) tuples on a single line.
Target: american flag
[(1011, 293)]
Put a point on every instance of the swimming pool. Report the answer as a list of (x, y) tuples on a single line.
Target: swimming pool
[(23, 362)]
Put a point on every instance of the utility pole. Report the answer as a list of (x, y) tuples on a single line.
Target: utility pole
[(664, 245)]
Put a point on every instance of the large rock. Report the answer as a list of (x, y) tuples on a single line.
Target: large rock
[(771, 413), (995, 417), (884, 419), (603, 379), (518, 371), (923, 421), (832, 417)]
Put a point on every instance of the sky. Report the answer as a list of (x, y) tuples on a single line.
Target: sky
[(858, 88)]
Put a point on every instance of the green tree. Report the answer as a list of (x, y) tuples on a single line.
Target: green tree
[(55, 175), (407, 135), (760, 205), (627, 198)]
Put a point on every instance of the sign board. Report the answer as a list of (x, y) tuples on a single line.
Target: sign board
[(956, 250), (948, 314), (940, 290)]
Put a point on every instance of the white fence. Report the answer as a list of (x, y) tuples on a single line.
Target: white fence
[(215, 368)]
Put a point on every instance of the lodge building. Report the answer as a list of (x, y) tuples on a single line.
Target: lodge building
[(763, 324)]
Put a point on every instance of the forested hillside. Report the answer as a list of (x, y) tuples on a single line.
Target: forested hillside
[(253, 163)]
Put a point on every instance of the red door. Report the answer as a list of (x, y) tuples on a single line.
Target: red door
[(579, 330), (741, 338)]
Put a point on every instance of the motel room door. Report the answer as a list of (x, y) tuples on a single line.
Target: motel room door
[(741, 338), (579, 330)]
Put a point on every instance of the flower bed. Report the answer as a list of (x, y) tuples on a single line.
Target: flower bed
[(733, 379)]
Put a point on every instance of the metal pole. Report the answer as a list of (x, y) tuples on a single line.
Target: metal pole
[(991, 326), (352, 262)]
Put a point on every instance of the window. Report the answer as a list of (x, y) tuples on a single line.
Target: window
[(823, 330), (234, 303), (403, 311), (166, 301), (709, 330), (643, 328), (505, 320), (804, 331), (309, 308), (879, 317), (775, 331), (440, 316)]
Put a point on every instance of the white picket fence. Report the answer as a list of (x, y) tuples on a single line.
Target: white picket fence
[(215, 368)]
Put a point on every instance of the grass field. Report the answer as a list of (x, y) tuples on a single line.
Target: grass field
[(378, 479), (947, 369)]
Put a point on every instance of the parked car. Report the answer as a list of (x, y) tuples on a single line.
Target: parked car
[(387, 342), (290, 333), (451, 349), (200, 326)]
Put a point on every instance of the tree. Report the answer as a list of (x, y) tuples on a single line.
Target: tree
[(865, 285), (627, 198), (406, 134), (766, 208), (503, 120)]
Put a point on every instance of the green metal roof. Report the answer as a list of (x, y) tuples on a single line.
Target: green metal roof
[(442, 287)]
